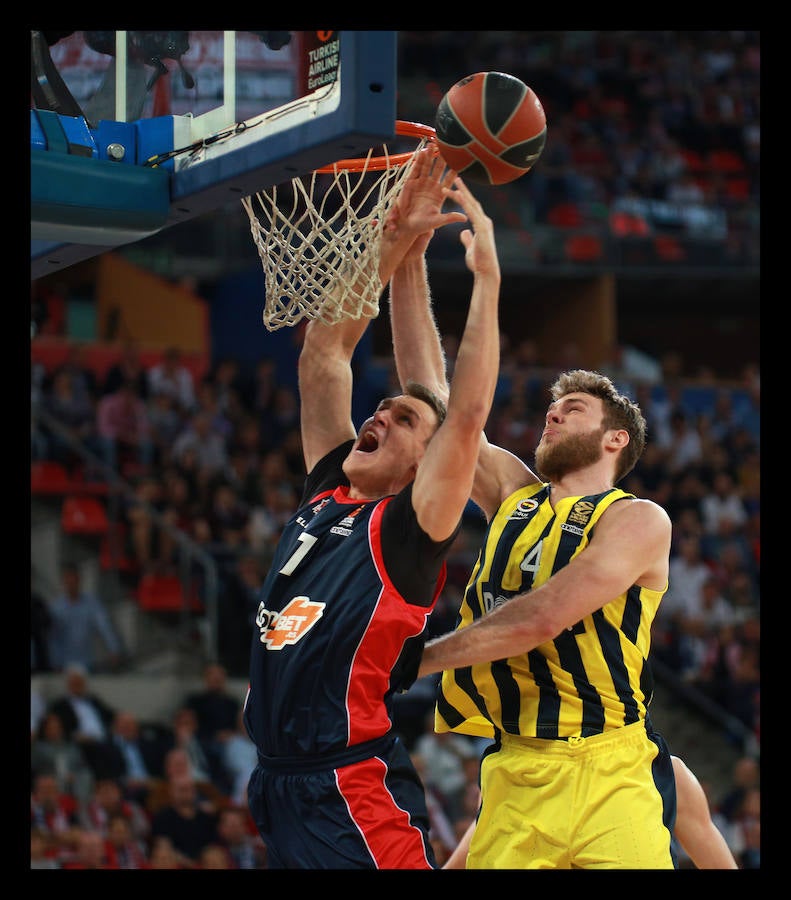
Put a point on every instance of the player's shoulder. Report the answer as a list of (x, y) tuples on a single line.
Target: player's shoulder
[(641, 510)]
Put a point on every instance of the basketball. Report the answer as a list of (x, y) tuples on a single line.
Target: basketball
[(491, 128)]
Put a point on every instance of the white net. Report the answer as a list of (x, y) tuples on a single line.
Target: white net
[(318, 240)]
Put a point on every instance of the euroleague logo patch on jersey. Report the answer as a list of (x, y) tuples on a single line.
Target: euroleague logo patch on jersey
[(524, 508), (344, 527), (291, 624)]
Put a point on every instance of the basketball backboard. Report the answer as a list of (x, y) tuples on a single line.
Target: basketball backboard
[(132, 132)]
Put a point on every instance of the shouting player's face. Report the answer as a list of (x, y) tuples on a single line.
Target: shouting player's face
[(390, 445)]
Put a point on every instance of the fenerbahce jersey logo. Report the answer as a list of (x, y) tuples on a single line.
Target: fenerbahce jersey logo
[(291, 624), (524, 509)]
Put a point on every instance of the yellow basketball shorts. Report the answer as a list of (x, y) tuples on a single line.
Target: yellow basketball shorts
[(601, 802)]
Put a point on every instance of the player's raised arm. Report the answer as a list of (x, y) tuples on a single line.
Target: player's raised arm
[(444, 478)]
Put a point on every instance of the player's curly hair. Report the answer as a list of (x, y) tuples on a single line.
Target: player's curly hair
[(619, 412)]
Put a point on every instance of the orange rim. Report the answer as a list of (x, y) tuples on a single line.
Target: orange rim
[(377, 163)]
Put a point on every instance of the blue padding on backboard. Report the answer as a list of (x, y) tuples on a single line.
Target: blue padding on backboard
[(154, 136), (95, 197), (60, 134)]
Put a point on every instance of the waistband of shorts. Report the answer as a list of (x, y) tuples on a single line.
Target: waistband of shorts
[(574, 745), (328, 761)]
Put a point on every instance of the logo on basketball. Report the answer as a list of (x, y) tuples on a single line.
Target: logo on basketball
[(291, 624)]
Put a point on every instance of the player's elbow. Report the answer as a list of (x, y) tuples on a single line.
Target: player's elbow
[(469, 418)]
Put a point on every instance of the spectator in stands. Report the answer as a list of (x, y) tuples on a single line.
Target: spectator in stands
[(38, 709), (742, 595), (189, 824), (108, 802), (124, 430), (242, 843), (91, 852), (76, 416), (688, 573), (135, 757), (741, 695), (43, 852), (40, 626), (216, 712), (185, 731), (746, 831), (268, 517), (237, 609), (172, 377), (684, 447), (227, 515), (207, 400), (745, 775), (731, 565), (263, 387), (164, 855), (231, 384), (86, 718), (78, 619), (686, 191), (214, 856), (239, 758), (129, 367), (443, 839), (242, 472), (55, 814), (126, 851), (166, 423), (207, 445), (283, 414), (443, 755), (83, 378), (177, 764), (52, 753), (151, 547), (722, 508)]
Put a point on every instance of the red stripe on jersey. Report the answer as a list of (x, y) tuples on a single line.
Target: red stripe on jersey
[(394, 843), (392, 621)]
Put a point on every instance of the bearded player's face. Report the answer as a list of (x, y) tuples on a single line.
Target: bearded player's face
[(572, 438)]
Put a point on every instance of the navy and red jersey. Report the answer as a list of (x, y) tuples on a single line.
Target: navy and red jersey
[(341, 620)]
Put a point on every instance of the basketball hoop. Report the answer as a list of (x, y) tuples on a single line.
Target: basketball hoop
[(318, 238)]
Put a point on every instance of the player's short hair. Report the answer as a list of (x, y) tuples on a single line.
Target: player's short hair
[(619, 412), (421, 392)]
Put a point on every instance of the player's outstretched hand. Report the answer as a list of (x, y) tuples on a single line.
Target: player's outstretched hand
[(481, 250), (418, 209)]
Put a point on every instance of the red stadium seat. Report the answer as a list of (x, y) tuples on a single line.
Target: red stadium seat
[(694, 160), (48, 477), (584, 248), (112, 552), (565, 215), (84, 516), (725, 161), (165, 593), (668, 249)]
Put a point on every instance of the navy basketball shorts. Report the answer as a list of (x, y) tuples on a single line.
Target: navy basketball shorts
[(329, 813)]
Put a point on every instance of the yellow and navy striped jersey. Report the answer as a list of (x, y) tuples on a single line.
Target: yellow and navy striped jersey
[(594, 677)]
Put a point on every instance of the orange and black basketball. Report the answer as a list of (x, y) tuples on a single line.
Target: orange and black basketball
[(491, 128)]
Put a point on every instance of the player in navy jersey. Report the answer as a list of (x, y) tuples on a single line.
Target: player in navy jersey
[(343, 610)]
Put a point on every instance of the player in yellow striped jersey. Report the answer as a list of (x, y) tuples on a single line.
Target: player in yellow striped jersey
[(550, 654)]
